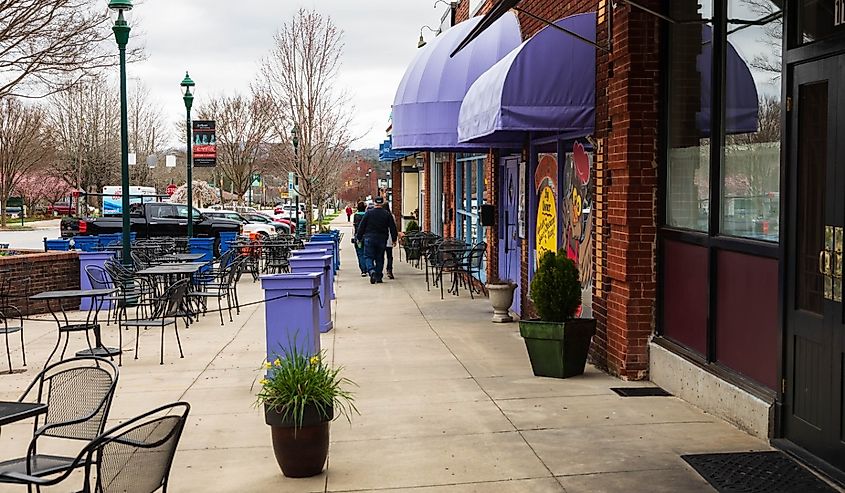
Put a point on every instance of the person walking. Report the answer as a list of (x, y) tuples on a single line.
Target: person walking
[(388, 251), (348, 212), (359, 248), (373, 231)]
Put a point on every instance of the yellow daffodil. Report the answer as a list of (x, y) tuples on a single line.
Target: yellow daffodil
[(278, 362), (266, 365), (264, 381), (315, 360)]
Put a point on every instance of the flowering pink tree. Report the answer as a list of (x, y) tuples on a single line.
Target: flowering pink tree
[(38, 188)]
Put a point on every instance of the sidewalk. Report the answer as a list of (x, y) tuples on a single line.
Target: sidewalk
[(447, 399)]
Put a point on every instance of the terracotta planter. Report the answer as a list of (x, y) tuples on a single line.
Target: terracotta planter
[(558, 350), (501, 297), (300, 451)]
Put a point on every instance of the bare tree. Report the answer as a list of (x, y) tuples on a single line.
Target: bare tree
[(49, 45), (243, 126), (84, 127), (21, 145), (149, 133), (300, 74)]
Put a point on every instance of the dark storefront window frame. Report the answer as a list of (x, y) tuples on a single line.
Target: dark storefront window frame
[(712, 240)]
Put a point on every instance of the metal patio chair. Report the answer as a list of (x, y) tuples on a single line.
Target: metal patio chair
[(78, 392), (133, 457), (166, 311), (11, 322)]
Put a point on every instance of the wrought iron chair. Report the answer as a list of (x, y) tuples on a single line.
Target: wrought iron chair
[(471, 268), (11, 322), (220, 286), (133, 457), (165, 313), (79, 393)]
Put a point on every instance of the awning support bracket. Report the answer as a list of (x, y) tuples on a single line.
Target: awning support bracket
[(563, 29)]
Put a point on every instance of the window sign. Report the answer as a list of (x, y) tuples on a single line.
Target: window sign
[(545, 183)]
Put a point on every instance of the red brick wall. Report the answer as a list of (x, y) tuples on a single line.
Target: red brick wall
[(449, 193), (396, 205), (426, 206), (491, 196), (630, 134), (51, 271)]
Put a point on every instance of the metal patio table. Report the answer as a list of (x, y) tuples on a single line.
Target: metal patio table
[(90, 323), (181, 257), (12, 412)]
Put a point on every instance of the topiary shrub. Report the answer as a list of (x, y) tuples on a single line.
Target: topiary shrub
[(556, 288), (412, 226)]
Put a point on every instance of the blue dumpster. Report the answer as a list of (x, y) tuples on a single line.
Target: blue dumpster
[(86, 243), (205, 246), (57, 245), (226, 238)]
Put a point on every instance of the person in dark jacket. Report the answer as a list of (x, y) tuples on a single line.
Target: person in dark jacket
[(359, 249), (374, 230)]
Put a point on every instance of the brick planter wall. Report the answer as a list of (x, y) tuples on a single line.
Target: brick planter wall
[(51, 271)]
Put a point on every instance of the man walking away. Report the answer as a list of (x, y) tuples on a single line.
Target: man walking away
[(359, 249), (348, 212), (388, 251), (374, 230)]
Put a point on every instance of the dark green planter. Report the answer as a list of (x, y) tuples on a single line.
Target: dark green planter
[(558, 350)]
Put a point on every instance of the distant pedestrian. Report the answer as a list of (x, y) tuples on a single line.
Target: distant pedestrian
[(388, 251), (359, 247), (348, 213), (374, 230)]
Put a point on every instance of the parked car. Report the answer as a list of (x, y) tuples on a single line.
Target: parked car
[(258, 217), (61, 209), (14, 212), (288, 211), (153, 219), (266, 230)]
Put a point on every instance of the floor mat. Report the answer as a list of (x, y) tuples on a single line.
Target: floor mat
[(641, 392), (756, 472)]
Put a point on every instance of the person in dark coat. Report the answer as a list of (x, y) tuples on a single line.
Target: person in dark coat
[(373, 231), (359, 249)]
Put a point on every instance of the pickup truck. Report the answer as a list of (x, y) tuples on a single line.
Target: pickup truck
[(152, 219)]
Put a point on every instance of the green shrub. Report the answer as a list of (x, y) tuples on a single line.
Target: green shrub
[(412, 226), (556, 288)]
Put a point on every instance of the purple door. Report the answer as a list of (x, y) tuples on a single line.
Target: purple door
[(509, 242)]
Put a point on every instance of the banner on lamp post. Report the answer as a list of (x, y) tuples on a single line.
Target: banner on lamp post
[(205, 144)]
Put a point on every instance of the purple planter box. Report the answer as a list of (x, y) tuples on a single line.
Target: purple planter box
[(323, 266), (86, 259), (292, 313), (329, 245), (317, 254)]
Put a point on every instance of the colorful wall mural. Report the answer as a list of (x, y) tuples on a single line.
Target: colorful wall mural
[(576, 221), (545, 183)]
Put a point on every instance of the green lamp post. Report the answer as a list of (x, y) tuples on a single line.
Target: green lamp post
[(294, 138), (187, 84), (121, 35)]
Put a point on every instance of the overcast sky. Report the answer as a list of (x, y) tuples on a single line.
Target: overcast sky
[(221, 42)]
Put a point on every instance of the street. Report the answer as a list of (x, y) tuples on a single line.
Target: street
[(33, 236)]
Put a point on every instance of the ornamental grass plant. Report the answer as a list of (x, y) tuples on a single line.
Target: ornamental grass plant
[(295, 381)]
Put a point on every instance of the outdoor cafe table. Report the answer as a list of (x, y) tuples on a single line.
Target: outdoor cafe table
[(65, 326), (181, 257), (12, 412)]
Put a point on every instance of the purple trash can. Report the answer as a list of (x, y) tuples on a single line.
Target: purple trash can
[(86, 259), (292, 313), (317, 254), (322, 265), (329, 245)]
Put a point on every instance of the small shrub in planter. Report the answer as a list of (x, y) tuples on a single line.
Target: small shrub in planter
[(412, 226), (557, 343), (301, 394)]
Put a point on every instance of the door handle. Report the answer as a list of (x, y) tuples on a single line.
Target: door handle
[(823, 262)]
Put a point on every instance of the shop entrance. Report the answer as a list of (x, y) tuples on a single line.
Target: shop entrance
[(815, 344), (510, 251)]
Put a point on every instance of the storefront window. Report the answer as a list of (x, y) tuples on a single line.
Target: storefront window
[(469, 188), (817, 19), (750, 191), (688, 160)]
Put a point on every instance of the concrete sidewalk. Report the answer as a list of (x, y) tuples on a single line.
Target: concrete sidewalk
[(448, 404)]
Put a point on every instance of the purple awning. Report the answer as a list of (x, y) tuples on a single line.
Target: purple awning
[(427, 102), (741, 104), (548, 83)]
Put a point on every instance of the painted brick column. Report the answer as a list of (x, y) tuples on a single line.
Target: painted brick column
[(630, 186), (492, 177), (426, 206)]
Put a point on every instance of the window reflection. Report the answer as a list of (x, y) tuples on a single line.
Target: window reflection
[(689, 115), (750, 190)]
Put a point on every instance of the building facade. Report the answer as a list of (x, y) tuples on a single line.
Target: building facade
[(704, 206)]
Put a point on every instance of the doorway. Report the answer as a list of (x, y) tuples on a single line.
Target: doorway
[(815, 356), (510, 251)]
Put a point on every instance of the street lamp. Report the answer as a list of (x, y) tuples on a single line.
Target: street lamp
[(421, 42), (187, 84), (294, 138), (121, 35)]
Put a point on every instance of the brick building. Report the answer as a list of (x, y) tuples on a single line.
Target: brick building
[(703, 202)]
